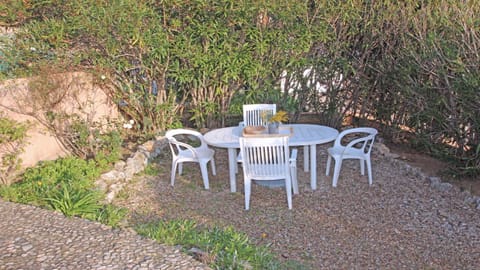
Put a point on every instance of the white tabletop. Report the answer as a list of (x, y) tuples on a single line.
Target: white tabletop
[(303, 134)]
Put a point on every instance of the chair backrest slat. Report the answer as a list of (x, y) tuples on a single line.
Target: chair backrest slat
[(253, 114), (265, 157)]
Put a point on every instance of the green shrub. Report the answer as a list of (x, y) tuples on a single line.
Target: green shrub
[(224, 248), (408, 65), (12, 139)]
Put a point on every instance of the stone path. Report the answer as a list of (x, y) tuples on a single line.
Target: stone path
[(34, 238)]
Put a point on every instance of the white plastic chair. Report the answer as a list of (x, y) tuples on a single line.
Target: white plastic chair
[(252, 113), (252, 116), (267, 158), (185, 152), (356, 148)]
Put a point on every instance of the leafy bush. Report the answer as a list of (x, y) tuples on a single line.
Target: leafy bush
[(408, 65), (223, 248)]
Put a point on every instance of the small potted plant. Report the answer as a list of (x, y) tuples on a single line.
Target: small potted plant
[(275, 120)]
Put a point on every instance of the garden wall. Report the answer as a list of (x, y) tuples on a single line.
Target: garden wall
[(69, 94)]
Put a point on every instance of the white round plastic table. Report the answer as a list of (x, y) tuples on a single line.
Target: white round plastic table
[(306, 135)]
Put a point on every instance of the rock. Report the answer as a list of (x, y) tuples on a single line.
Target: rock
[(147, 146), (440, 186), (394, 156), (110, 196), (112, 182), (101, 185), (199, 255), (112, 176), (116, 187), (381, 149), (434, 180), (119, 165)]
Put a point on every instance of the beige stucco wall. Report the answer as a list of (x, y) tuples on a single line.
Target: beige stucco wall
[(75, 93)]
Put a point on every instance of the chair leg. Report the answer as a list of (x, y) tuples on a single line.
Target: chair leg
[(204, 170), (248, 187), (306, 158), (174, 170), (369, 170), (288, 187), (293, 175), (362, 166), (236, 162), (212, 164), (329, 162), (336, 171), (180, 168)]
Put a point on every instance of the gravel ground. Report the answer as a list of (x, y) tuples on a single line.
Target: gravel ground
[(398, 222), (34, 238)]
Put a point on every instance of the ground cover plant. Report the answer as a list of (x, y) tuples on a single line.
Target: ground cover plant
[(65, 185)]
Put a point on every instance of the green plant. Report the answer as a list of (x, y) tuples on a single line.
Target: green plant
[(74, 202), (224, 248), (12, 140), (152, 169), (111, 215), (43, 181), (405, 65), (65, 185)]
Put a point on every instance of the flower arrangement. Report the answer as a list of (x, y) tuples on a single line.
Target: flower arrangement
[(273, 121), (280, 116)]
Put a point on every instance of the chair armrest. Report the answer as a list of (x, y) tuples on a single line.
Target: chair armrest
[(362, 140), (185, 146)]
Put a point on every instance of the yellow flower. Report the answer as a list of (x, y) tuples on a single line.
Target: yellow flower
[(280, 116), (39, 183)]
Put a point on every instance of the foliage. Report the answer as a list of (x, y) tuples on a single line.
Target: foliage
[(420, 73), (111, 215), (152, 169), (409, 65), (48, 178), (225, 248), (280, 116), (12, 140), (71, 202), (65, 185)]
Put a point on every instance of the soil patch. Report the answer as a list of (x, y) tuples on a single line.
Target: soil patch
[(433, 167)]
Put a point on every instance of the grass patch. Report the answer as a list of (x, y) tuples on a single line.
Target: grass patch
[(220, 248)]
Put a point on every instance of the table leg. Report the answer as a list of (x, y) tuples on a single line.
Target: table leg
[(313, 166), (232, 159), (305, 158)]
